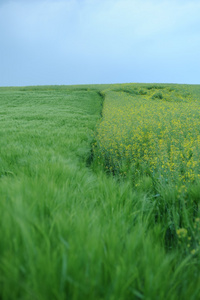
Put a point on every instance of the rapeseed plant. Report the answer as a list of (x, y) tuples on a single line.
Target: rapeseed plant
[(154, 134), (158, 138)]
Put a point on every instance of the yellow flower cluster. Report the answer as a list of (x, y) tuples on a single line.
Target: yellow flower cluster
[(182, 233), (152, 136), (192, 240)]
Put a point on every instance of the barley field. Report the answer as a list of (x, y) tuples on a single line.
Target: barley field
[(100, 192)]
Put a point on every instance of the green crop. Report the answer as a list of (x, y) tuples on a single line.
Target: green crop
[(86, 210)]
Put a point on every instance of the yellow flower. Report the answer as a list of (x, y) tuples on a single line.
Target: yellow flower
[(193, 251), (181, 232)]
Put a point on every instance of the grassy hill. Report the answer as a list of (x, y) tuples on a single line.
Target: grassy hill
[(100, 192)]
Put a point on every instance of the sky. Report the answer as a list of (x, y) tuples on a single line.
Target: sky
[(67, 42)]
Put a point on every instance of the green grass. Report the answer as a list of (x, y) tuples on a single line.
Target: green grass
[(69, 230)]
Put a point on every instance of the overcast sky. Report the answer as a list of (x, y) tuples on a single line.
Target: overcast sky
[(44, 42)]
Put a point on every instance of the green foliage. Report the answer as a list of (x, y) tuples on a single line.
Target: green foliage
[(155, 146), (69, 230), (157, 95)]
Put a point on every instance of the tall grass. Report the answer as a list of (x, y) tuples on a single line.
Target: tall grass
[(70, 230)]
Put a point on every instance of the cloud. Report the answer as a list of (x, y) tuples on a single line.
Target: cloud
[(119, 20), (111, 35)]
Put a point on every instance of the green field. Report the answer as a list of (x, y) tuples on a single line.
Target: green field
[(100, 192)]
